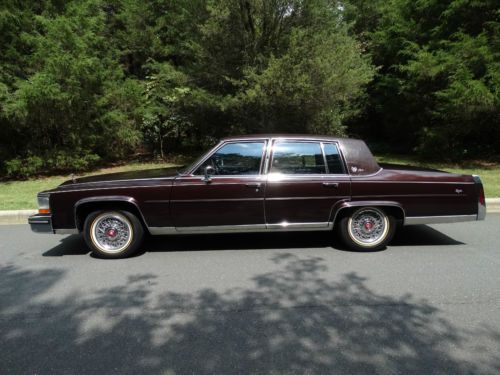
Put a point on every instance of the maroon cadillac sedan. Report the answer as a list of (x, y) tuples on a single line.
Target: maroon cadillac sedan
[(261, 183)]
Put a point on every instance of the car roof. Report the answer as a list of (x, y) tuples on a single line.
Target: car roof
[(291, 136)]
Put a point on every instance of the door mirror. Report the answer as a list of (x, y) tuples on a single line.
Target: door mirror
[(209, 171)]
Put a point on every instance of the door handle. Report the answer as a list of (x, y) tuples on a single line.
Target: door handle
[(255, 185), (331, 184)]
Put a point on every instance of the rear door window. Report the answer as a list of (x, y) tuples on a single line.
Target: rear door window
[(291, 157), (333, 159)]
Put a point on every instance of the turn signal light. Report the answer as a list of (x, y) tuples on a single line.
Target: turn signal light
[(44, 211)]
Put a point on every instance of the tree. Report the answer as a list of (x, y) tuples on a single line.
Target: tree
[(436, 91)]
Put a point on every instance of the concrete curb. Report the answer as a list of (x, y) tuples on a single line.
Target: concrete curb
[(15, 216), (21, 216), (492, 205)]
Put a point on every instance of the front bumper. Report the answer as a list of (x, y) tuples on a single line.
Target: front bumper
[(41, 223)]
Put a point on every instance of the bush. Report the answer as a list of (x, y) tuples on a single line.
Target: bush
[(59, 161)]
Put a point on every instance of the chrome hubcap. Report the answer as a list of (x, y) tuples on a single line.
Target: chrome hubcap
[(368, 226), (111, 232)]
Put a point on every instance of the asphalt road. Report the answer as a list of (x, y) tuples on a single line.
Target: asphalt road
[(240, 304)]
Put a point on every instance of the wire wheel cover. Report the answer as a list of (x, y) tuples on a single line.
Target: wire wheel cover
[(368, 226), (111, 232)]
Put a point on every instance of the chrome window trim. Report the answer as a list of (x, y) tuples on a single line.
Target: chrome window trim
[(418, 220), (322, 147)]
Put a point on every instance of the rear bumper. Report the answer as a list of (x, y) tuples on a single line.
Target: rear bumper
[(41, 223)]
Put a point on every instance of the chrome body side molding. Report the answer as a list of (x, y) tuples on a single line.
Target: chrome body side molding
[(162, 230), (66, 231), (416, 220), (280, 227), (285, 226)]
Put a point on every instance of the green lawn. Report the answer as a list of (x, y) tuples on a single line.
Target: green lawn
[(489, 172), (15, 195)]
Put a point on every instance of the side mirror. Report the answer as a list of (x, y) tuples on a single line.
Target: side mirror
[(209, 171)]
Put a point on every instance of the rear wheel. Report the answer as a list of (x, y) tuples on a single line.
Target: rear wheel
[(367, 229), (113, 234)]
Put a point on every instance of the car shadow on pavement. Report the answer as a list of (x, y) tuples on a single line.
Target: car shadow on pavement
[(421, 235), (292, 320), (241, 241), (70, 245)]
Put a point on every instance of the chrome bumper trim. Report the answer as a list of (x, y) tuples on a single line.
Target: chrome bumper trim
[(416, 220), (40, 223)]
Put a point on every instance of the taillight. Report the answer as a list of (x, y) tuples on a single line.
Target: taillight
[(480, 192), (482, 199)]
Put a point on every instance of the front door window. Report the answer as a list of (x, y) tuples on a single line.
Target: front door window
[(234, 159)]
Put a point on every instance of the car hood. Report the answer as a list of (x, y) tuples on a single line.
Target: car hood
[(125, 176)]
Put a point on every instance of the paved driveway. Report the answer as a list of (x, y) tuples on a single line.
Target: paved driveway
[(238, 304)]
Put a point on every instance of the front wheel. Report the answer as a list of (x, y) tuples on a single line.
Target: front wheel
[(367, 229), (113, 234)]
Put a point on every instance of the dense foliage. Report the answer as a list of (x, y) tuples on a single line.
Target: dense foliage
[(88, 80), (437, 87)]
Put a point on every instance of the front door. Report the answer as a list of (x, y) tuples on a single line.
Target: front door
[(305, 181), (231, 199)]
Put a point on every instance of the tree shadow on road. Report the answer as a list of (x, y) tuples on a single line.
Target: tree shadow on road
[(290, 321)]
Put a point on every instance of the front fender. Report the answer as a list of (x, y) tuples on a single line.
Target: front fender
[(106, 199)]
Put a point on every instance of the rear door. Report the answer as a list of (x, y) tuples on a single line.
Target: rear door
[(305, 180)]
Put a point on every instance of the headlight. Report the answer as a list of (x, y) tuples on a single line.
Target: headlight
[(43, 204)]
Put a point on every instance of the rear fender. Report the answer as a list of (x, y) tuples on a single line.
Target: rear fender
[(342, 207)]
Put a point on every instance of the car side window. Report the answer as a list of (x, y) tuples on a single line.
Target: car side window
[(333, 159), (237, 158), (298, 158)]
